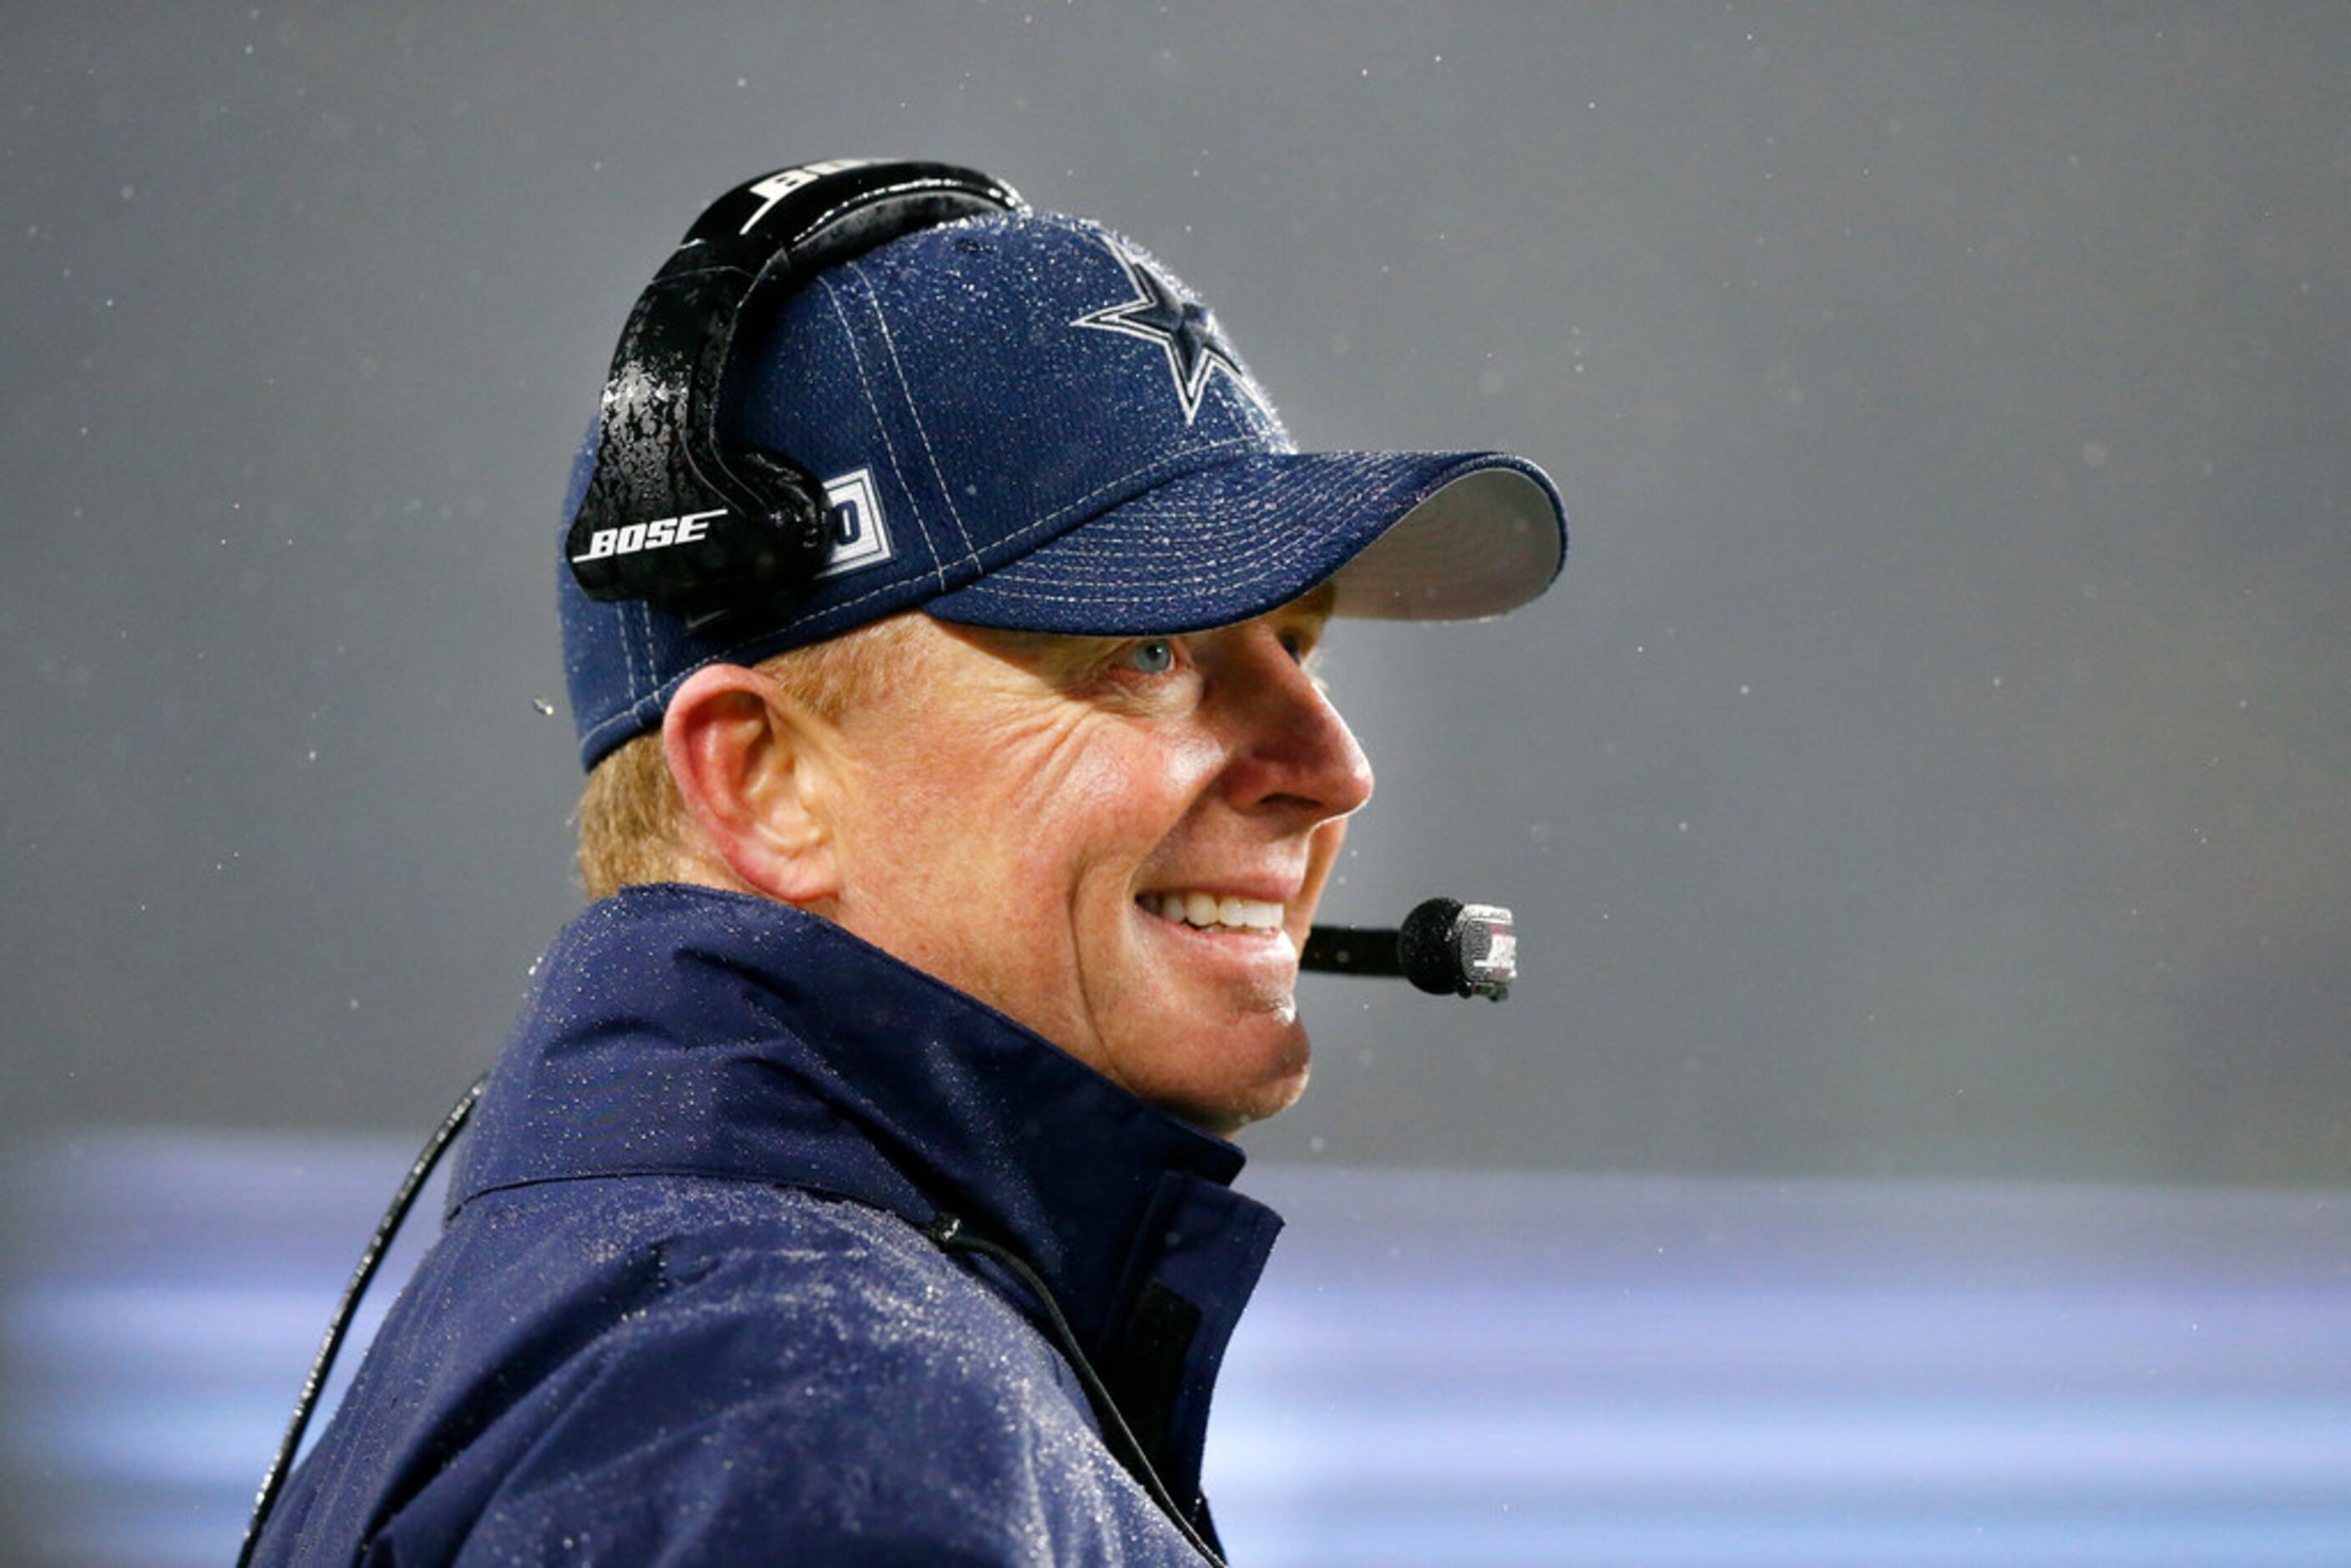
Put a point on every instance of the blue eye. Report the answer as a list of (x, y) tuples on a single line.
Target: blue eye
[(1154, 656)]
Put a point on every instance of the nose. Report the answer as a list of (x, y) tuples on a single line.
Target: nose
[(1291, 750)]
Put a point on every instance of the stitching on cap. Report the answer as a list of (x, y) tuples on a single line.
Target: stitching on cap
[(866, 386), (1047, 521), (633, 625), (947, 491)]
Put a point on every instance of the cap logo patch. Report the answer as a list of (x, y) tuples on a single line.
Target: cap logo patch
[(859, 537), (1160, 314)]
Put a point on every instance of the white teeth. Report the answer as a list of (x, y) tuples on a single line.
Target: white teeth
[(1212, 912)]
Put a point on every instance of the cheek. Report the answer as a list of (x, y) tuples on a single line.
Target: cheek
[(1113, 802), (962, 787), (1028, 818)]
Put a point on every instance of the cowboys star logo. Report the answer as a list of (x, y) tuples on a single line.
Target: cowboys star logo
[(1183, 327)]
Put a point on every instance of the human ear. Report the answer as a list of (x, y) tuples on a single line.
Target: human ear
[(753, 766)]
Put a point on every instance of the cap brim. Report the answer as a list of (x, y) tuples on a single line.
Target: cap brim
[(1406, 537)]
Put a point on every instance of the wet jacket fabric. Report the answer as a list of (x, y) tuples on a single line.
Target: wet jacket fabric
[(684, 1310)]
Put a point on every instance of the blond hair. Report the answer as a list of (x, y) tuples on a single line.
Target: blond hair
[(632, 821)]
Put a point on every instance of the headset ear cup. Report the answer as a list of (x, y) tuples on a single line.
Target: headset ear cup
[(700, 564), (786, 540)]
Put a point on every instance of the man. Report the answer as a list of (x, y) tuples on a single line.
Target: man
[(853, 1187)]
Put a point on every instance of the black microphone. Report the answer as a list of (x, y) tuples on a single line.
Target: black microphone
[(1444, 946)]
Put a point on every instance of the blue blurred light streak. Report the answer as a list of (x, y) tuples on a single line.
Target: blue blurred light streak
[(1464, 1368)]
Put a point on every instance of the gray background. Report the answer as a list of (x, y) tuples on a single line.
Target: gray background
[(1933, 762)]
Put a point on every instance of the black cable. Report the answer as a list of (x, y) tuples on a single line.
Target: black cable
[(419, 1172), (948, 1233)]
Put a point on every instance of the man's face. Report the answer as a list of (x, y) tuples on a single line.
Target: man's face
[(1119, 843)]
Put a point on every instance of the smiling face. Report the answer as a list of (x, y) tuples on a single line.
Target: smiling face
[(1118, 843)]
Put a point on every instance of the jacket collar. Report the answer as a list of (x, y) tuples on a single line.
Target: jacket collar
[(685, 1030)]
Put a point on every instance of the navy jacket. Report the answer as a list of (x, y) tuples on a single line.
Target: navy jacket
[(684, 1309)]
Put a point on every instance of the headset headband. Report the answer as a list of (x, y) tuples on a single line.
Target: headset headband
[(674, 514)]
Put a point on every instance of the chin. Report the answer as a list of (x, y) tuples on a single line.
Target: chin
[(1226, 1109)]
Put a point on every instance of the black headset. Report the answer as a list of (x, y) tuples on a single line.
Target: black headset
[(674, 513)]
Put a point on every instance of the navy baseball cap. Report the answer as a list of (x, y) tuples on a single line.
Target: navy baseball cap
[(1023, 421)]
